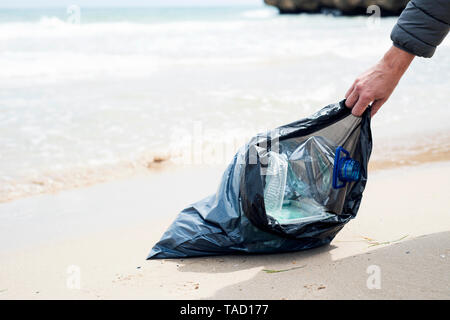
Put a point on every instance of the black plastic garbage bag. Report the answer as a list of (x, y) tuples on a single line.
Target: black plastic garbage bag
[(235, 219)]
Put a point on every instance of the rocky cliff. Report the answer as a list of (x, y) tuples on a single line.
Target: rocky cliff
[(346, 7)]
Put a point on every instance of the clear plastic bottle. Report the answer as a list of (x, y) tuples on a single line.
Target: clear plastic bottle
[(276, 176)]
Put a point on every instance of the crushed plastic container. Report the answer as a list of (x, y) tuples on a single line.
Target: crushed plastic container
[(317, 172), (303, 211)]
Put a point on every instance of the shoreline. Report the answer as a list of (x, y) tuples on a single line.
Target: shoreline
[(107, 230), (404, 159), (399, 156)]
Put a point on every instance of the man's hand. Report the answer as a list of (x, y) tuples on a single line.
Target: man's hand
[(376, 84)]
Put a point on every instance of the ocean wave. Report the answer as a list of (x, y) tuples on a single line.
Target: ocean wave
[(52, 22), (260, 13)]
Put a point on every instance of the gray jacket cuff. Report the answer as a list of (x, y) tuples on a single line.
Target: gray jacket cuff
[(407, 42), (418, 32)]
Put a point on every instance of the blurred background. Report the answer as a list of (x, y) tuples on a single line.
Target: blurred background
[(93, 90)]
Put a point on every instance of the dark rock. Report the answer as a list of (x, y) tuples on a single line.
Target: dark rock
[(345, 7)]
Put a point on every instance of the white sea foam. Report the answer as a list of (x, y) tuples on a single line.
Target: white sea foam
[(260, 13)]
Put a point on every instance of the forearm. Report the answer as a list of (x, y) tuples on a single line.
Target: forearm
[(397, 60)]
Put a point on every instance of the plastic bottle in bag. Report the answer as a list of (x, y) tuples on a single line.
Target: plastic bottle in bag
[(276, 176), (304, 187)]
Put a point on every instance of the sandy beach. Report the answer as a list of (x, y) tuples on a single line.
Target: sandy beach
[(91, 243)]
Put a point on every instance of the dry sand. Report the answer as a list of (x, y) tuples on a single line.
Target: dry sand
[(108, 230)]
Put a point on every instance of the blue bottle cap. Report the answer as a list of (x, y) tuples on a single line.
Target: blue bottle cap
[(348, 170), (345, 168)]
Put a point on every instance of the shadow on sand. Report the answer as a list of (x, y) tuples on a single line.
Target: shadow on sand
[(418, 268)]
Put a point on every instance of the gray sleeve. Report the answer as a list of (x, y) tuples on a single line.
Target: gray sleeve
[(422, 26)]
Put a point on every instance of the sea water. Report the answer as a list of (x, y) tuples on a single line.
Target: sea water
[(85, 102)]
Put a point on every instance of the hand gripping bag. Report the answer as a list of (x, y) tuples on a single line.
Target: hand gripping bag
[(292, 188)]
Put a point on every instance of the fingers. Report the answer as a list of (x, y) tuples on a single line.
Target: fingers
[(361, 105), (350, 90), (376, 105), (351, 99)]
